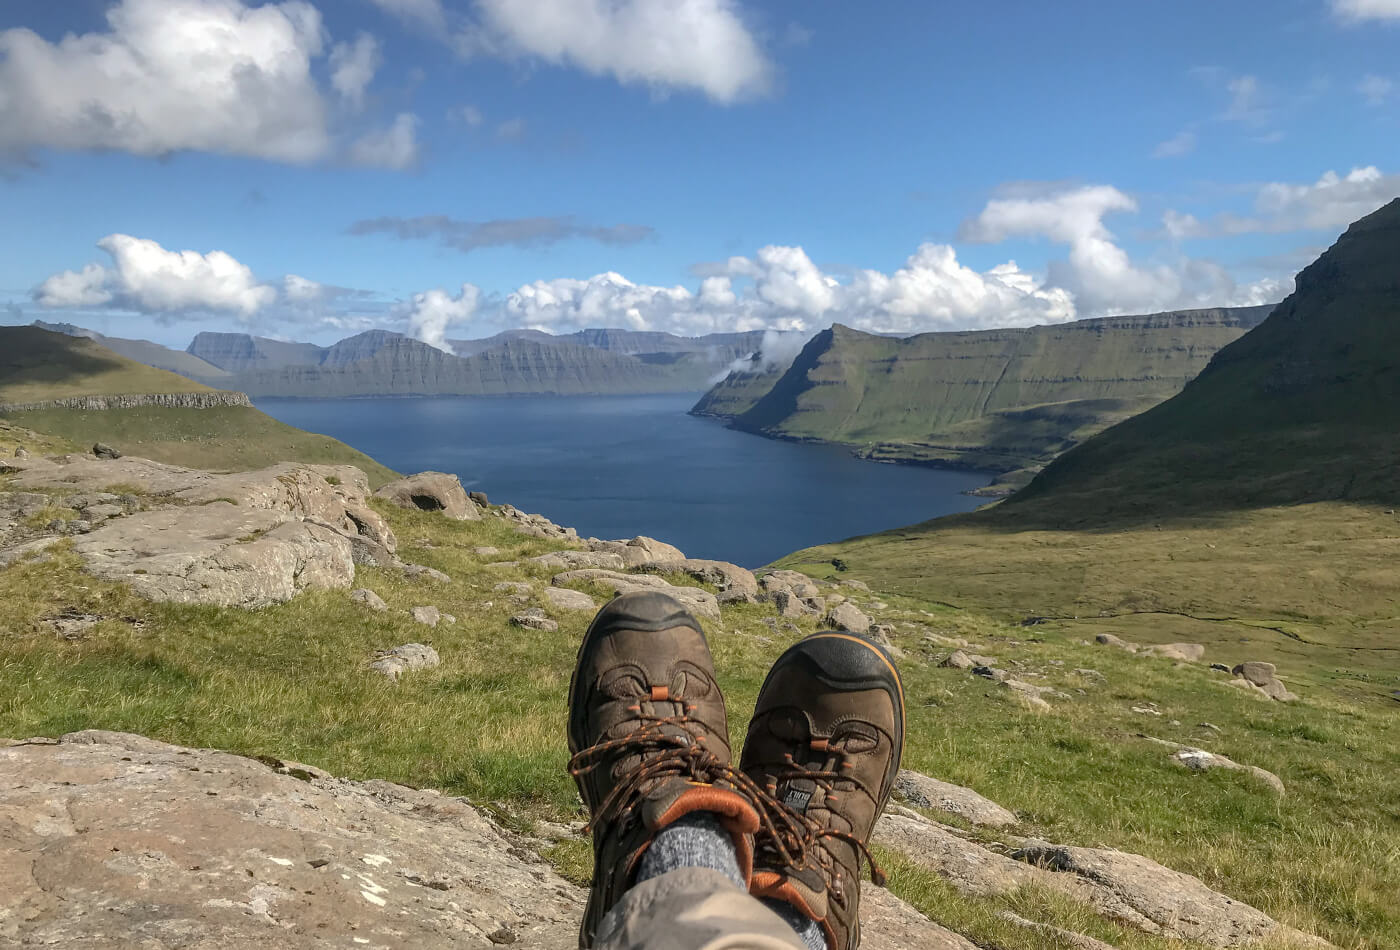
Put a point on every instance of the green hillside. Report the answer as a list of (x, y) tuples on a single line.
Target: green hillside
[(1257, 506), (990, 399), (38, 365), (144, 351)]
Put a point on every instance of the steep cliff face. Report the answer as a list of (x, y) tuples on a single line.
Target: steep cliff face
[(380, 363), (1303, 408), (999, 399), (739, 391), (239, 352)]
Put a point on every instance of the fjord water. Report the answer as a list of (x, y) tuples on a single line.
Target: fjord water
[(619, 466)]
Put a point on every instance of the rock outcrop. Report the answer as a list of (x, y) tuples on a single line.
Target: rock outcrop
[(115, 841), (245, 539), (923, 791), (699, 601), (1262, 677), (193, 400), (431, 491), (1133, 890)]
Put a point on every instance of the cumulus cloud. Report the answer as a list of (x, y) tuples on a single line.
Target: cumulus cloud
[(1359, 10), (687, 44), (469, 236), (147, 278), (221, 76), (1328, 204), (698, 45), (431, 313), (395, 147), (169, 75), (353, 65)]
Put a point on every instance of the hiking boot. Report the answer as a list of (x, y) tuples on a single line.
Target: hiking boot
[(650, 740), (825, 743)]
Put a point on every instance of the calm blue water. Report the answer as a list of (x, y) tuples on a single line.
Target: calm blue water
[(619, 466)]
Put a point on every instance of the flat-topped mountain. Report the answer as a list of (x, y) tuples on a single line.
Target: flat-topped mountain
[(240, 352), (994, 399)]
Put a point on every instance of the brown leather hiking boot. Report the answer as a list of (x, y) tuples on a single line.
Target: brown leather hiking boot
[(825, 742), (650, 740)]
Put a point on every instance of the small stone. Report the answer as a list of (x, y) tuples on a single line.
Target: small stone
[(514, 587), (567, 599), (369, 598), (957, 660), (21, 453), (1189, 652), (486, 550), (479, 497), (534, 619), (427, 615), (991, 673), (1220, 667), (104, 451), (881, 633), (1109, 640), (1210, 726), (402, 659), (417, 571)]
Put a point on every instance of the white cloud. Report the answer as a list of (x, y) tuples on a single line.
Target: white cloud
[(1376, 89), (1358, 10), (146, 278), (169, 75), (395, 147), (511, 130), (1328, 204), (353, 65), (431, 313), (1244, 100), (300, 290), (1182, 143), (468, 114)]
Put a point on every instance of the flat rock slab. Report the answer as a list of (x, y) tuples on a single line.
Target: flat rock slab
[(698, 601), (1127, 888), (922, 791), (115, 841), (566, 599)]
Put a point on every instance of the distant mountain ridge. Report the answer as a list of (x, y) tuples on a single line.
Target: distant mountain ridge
[(187, 364), (1000, 400), (514, 362)]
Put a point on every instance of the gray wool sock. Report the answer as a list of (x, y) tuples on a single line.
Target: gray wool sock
[(697, 840), (807, 928)]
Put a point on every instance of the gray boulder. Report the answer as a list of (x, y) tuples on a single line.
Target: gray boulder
[(429, 616), (1188, 652), (736, 584), (479, 499), (405, 659), (566, 599), (846, 616), (957, 660), (1256, 671), (1110, 640), (431, 491), (797, 582), (21, 452), (104, 451)]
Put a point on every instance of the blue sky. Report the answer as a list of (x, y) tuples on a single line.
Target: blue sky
[(449, 168)]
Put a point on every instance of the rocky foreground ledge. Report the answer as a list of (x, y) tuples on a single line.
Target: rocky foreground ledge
[(115, 841)]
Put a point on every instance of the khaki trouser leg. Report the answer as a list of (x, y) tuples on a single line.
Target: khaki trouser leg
[(693, 909)]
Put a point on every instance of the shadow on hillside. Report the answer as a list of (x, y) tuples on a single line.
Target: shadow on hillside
[(32, 356)]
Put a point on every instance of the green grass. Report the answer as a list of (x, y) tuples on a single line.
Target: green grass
[(226, 438), (996, 399), (289, 681), (37, 365)]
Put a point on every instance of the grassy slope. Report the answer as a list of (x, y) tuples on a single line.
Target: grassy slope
[(228, 438), (37, 365), (289, 681), (1002, 399), (1257, 505)]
